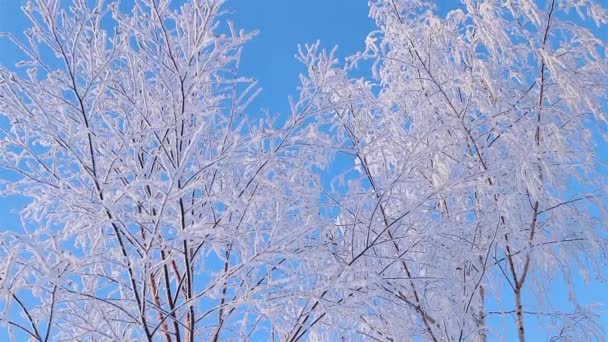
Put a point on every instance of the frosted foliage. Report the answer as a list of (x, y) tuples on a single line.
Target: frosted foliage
[(161, 208), (478, 187)]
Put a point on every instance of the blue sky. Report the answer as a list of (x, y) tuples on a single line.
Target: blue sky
[(285, 24), (269, 58)]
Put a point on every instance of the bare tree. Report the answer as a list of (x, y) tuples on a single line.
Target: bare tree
[(161, 209), (475, 184)]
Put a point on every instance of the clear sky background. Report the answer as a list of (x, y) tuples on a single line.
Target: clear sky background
[(283, 24), (269, 58)]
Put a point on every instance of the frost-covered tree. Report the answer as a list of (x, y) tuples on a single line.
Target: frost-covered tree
[(476, 186), (162, 209), (159, 209)]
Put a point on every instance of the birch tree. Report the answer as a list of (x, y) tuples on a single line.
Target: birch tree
[(475, 184), (160, 209)]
